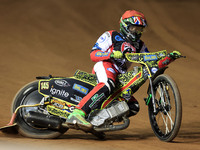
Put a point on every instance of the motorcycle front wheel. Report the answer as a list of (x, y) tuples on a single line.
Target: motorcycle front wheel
[(166, 121), (29, 95)]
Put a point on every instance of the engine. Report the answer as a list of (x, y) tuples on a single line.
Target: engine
[(116, 110)]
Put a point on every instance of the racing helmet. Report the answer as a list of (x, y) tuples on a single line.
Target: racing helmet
[(132, 24)]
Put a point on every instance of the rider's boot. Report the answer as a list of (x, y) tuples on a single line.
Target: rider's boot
[(91, 101), (77, 118)]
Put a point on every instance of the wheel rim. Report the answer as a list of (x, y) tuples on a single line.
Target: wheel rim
[(33, 97), (165, 118)]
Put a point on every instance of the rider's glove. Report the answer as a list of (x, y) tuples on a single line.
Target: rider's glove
[(175, 54), (116, 54)]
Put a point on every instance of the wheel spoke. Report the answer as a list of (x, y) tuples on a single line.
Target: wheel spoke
[(161, 93), (165, 123), (165, 114), (171, 121), (167, 120)]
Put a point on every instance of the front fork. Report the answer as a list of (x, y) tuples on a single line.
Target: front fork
[(151, 96)]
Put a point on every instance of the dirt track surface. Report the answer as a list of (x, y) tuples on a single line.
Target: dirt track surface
[(55, 37)]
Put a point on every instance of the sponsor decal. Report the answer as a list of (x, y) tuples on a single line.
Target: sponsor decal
[(101, 54), (57, 112), (102, 38), (154, 70), (59, 92), (62, 83), (44, 85), (135, 57), (60, 108), (150, 57), (69, 108), (80, 88), (111, 70), (128, 47), (162, 54), (76, 99), (96, 98), (118, 38), (58, 104)]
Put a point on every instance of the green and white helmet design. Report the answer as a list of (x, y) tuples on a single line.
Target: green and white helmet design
[(136, 20)]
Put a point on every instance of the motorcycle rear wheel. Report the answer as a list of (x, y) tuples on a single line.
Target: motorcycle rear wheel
[(29, 95), (166, 121)]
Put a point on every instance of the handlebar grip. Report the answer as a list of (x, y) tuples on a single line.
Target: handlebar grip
[(183, 56)]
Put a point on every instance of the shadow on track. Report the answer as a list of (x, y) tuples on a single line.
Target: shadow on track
[(188, 134)]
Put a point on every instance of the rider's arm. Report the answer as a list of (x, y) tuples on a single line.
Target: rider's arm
[(99, 55), (100, 51)]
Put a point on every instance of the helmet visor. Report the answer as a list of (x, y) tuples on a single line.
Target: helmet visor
[(135, 29)]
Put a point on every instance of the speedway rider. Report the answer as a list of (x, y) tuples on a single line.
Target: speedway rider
[(108, 53)]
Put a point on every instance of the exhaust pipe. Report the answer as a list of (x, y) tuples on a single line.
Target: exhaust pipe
[(114, 127), (43, 120)]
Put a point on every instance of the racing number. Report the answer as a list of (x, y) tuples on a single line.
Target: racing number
[(44, 85)]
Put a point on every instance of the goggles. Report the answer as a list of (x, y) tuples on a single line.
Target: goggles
[(135, 29)]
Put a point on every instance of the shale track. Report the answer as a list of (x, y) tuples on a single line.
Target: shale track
[(42, 37)]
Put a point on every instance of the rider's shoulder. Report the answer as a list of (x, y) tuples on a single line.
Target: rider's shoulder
[(112, 33), (115, 35), (109, 33)]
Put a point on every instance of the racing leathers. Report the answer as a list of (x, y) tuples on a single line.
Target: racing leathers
[(107, 68)]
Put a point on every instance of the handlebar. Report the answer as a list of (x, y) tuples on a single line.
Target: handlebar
[(182, 56)]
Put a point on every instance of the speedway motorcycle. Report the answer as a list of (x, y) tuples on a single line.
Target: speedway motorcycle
[(41, 108)]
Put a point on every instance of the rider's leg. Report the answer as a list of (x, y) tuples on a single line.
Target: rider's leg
[(106, 75)]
